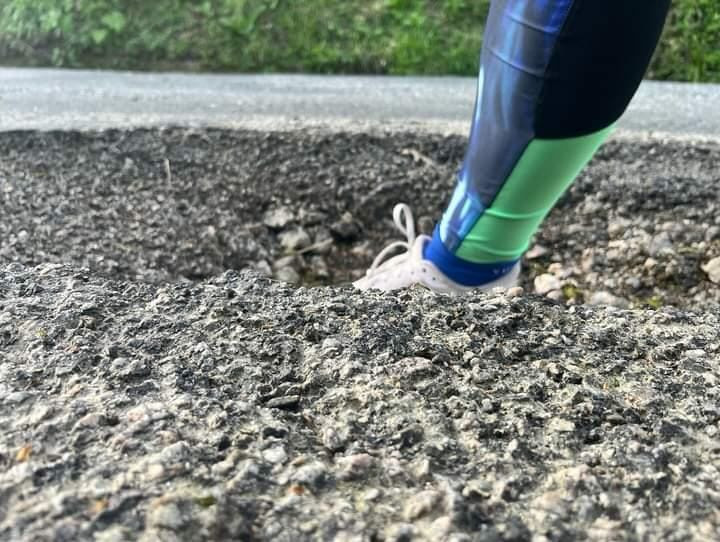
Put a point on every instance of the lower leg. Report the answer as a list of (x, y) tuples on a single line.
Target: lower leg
[(554, 78)]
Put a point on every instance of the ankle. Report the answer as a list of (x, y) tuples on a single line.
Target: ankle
[(462, 271)]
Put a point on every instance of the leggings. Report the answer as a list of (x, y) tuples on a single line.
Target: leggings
[(555, 75)]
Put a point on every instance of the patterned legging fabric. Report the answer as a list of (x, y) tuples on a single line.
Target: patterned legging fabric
[(555, 75)]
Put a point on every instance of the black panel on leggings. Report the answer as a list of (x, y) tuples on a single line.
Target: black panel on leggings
[(598, 62)]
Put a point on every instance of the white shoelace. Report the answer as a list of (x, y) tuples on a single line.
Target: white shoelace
[(405, 223)]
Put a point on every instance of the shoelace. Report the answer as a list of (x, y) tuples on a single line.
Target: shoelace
[(405, 223)]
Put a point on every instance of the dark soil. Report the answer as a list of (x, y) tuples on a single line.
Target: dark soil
[(167, 205)]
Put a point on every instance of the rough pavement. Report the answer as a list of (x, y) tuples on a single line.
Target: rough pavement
[(239, 408), (148, 392), (156, 383)]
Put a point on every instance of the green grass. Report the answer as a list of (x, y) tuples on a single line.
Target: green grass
[(318, 36)]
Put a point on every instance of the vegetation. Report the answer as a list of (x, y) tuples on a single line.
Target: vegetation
[(690, 48), (320, 36)]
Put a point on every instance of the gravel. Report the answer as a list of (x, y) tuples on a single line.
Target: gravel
[(712, 268), (641, 223), (157, 384)]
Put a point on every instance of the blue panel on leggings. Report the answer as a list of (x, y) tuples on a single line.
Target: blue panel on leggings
[(518, 43), (462, 271)]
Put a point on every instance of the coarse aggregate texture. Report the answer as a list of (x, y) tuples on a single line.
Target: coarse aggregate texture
[(155, 385), (166, 205), (240, 408)]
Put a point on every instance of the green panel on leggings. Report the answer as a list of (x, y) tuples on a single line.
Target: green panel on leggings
[(545, 170)]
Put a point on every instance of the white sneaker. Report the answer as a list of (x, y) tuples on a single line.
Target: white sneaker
[(409, 268)]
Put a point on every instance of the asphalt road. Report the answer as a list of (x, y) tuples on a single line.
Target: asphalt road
[(46, 99)]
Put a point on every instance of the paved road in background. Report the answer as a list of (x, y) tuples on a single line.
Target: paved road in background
[(48, 99)]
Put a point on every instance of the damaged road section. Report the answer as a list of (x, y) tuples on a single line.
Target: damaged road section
[(639, 228), (180, 361), (241, 408)]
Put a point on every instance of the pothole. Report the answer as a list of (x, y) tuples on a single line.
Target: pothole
[(178, 204)]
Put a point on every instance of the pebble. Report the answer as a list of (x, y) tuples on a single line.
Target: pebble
[(114, 533), (312, 475), (400, 532), (90, 420), (617, 227), (712, 269), (515, 291), (222, 468), (285, 269), (660, 244), (287, 274), (247, 471), (560, 271), (335, 438), (278, 218), (695, 353), (560, 425), (165, 516), (331, 347), (138, 368), (294, 240), (174, 454), (650, 263), (275, 455), (712, 233), (145, 413), (422, 468), (546, 283), (263, 267), (287, 261), (355, 466), (17, 397), (588, 260), (537, 251), (421, 504), (372, 494), (155, 471), (319, 267), (606, 298), (287, 401)]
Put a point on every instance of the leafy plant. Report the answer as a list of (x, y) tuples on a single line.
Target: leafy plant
[(690, 47), (320, 36)]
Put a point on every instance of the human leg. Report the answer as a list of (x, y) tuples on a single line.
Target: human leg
[(555, 75), (554, 78)]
